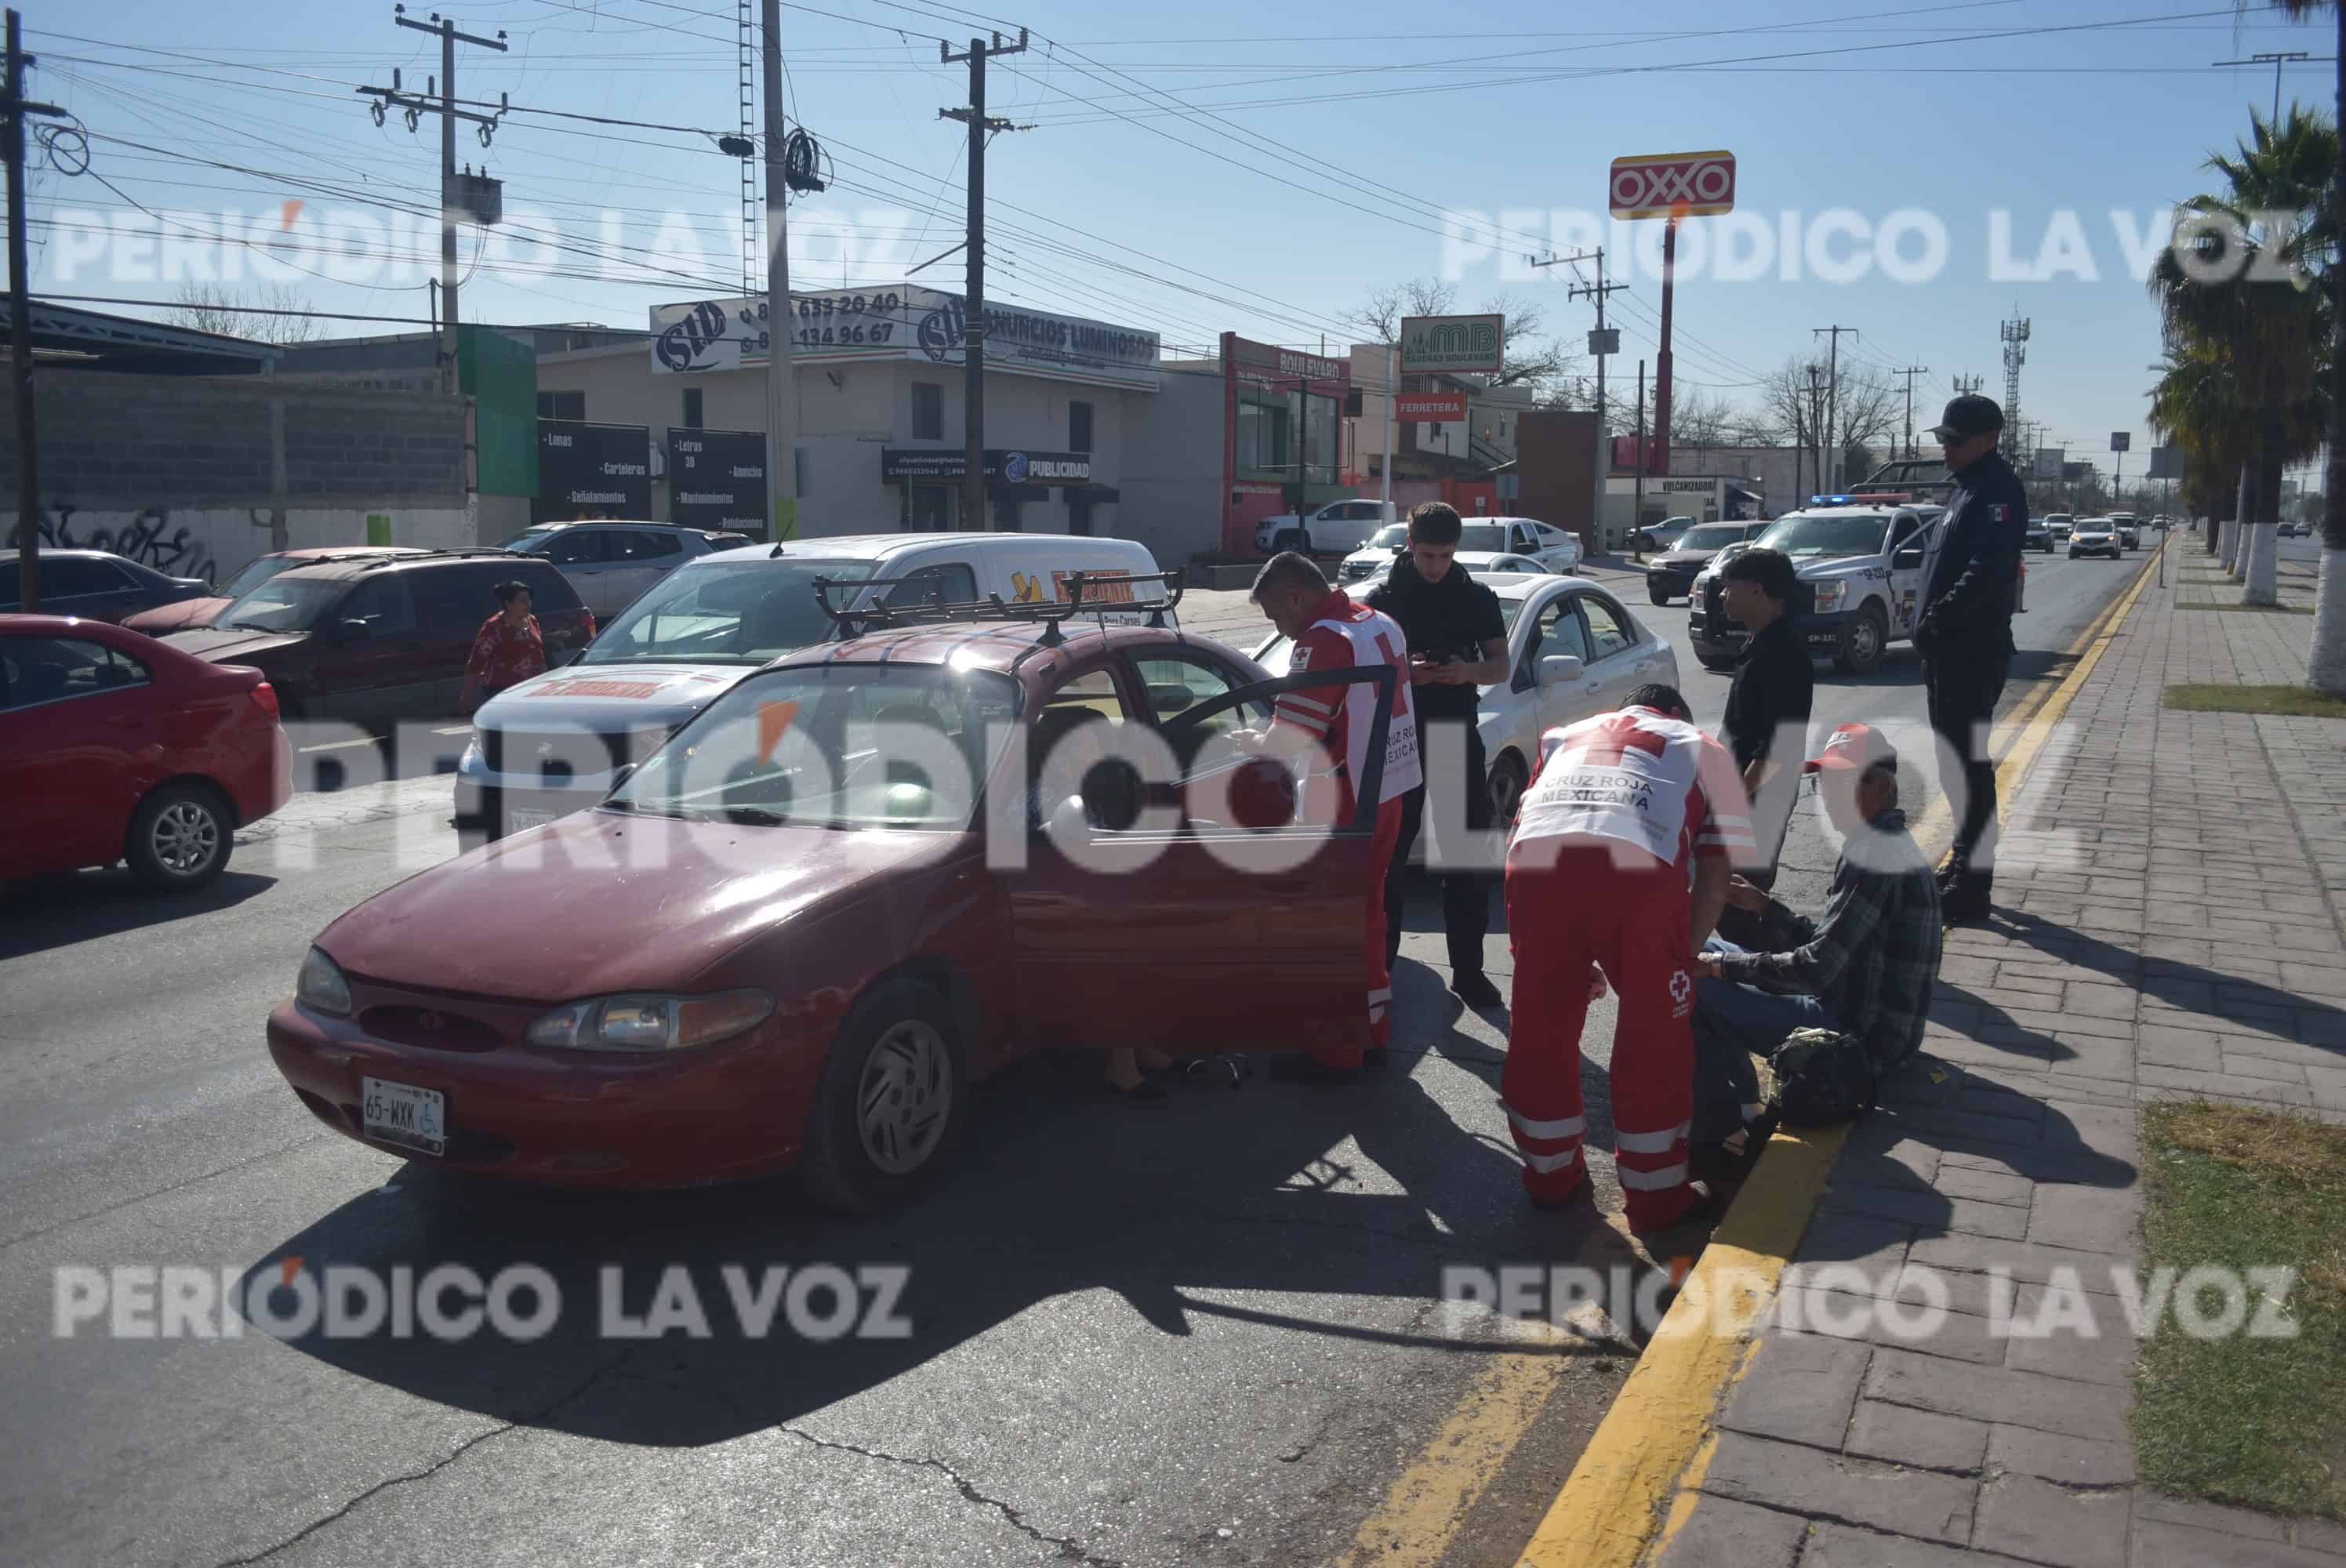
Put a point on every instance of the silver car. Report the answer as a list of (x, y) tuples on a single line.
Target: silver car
[(611, 563)]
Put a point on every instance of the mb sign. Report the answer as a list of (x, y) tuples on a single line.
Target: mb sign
[(1674, 184), (1463, 345)]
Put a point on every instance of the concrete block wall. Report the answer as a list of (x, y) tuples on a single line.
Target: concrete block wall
[(181, 471)]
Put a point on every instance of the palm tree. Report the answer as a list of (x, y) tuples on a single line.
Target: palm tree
[(2196, 406), (2239, 289), (2326, 660)]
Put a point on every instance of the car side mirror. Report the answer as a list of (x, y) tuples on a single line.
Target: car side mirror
[(1557, 669), (1907, 558)]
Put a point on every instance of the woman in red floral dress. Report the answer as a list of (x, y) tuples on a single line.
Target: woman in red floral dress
[(507, 649)]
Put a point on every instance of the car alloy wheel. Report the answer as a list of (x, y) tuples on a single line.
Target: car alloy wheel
[(1507, 783), (184, 837), (905, 1098)]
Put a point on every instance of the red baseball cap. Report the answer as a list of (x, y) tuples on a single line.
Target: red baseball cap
[(1858, 745)]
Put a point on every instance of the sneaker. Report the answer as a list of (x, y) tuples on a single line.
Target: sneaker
[(1474, 988)]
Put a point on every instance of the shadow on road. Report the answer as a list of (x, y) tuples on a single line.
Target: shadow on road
[(1201, 1205), (49, 912)]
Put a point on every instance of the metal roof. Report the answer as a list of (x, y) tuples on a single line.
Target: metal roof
[(75, 339)]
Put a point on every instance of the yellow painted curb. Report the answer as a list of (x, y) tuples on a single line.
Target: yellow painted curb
[(1655, 1445), (1611, 1503)]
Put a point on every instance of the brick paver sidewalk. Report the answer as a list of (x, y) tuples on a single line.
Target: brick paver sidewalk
[(2169, 889)]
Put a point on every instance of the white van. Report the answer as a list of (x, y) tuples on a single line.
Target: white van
[(549, 745)]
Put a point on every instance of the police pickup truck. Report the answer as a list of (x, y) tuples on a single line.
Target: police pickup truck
[(1860, 565)]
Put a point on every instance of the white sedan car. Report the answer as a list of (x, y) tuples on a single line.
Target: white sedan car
[(1574, 651), (1486, 545)]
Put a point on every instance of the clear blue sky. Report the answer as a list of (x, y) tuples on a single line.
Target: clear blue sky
[(1347, 129)]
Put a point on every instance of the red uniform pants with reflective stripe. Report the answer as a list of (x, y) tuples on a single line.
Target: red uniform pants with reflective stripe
[(1631, 922), (1378, 975)]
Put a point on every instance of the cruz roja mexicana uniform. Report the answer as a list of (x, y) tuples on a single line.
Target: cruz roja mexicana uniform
[(1598, 872)]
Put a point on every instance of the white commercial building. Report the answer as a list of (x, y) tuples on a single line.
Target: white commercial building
[(879, 381)]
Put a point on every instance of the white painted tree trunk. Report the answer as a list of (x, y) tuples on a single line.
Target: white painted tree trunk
[(2228, 541), (2262, 561), (2326, 662)]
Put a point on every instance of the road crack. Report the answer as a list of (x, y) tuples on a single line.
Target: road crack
[(428, 1472), (1069, 1550)]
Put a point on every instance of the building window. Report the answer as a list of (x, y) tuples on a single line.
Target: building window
[(928, 411), (692, 408), (562, 405), (1079, 427), (1263, 436)]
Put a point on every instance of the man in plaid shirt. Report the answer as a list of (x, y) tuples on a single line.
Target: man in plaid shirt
[(1865, 968)]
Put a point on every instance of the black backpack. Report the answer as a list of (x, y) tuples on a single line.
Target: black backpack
[(1823, 1077)]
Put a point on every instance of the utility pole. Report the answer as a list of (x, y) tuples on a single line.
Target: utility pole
[(973, 492), (450, 206), (14, 109), (2276, 62), (1832, 407), (1909, 373), (1601, 344), (1816, 424), (1637, 506), (781, 377)]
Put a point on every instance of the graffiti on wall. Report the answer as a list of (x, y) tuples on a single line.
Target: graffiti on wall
[(148, 539)]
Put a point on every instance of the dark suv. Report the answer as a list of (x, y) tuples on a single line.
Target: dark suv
[(375, 642)]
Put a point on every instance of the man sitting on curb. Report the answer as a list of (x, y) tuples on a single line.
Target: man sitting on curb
[(1865, 969)]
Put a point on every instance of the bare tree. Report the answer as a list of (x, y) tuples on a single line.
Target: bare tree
[(276, 314), (1532, 359)]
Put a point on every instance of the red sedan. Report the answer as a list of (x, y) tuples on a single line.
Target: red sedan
[(849, 887), (115, 746)]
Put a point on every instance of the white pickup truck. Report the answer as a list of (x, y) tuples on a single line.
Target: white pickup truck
[(1338, 528)]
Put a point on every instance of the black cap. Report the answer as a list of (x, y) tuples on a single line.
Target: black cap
[(1969, 415)]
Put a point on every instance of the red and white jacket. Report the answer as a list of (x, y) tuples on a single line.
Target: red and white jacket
[(1344, 634), (1635, 777)]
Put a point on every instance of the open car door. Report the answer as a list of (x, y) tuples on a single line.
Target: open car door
[(1145, 917)]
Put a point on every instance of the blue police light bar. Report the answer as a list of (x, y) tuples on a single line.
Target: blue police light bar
[(1828, 500)]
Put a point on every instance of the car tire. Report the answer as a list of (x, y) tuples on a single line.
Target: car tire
[(1717, 665), (1509, 778), (898, 1043), (1657, 595), (2073, 554), (1863, 646), (1281, 543), (180, 836)]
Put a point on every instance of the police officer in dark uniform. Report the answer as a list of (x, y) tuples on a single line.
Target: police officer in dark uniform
[(1964, 633), (1457, 644)]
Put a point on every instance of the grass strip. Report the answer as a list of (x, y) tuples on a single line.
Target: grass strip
[(2254, 1422)]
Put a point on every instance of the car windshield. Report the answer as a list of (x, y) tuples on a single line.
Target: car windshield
[(284, 603), (1819, 536), (1392, 536), (255, 573), (1711, 537), (743, 613), (2094, 525), (839, 745), (1489, 537)]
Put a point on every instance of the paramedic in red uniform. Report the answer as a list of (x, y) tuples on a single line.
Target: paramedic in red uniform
[(1330, 630), (1623, 808)]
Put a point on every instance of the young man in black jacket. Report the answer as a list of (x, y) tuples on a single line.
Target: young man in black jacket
[(1457, 644), (1774, 692), (1964, 633)]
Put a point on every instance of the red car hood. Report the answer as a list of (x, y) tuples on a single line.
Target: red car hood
[(601, 902), (178, 617)]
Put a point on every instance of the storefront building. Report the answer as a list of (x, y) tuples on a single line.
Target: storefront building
[(880, 384)]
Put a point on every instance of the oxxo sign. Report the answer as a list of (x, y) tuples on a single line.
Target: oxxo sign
[(1673, 185)]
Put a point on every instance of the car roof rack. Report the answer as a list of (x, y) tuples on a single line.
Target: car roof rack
[(935, 609), (455, 552)]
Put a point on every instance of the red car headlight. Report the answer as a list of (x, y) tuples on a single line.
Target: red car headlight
[(639, 1022)]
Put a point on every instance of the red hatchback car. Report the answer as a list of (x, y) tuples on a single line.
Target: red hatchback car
[(115, 746), (796, 934)]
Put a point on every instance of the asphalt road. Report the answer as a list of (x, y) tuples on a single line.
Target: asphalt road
[(1210, 1332)]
